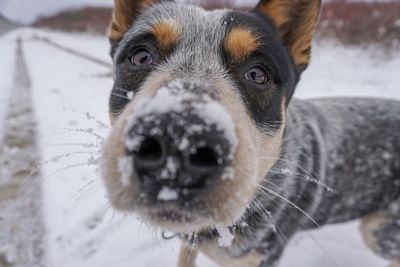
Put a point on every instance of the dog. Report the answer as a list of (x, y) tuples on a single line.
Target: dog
[(208, 142)]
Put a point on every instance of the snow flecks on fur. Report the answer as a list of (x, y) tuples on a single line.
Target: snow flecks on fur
[(184, 144), (225, 236), (133, 143), (213, 112), (170, 170), (169, 98), (228, 174), (167, 194), (125, 167), (286, 171), (130, 95)]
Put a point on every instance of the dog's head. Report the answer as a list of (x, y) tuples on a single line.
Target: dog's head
[(198, 106)]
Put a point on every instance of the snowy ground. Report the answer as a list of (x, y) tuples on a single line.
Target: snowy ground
[(70, 102)]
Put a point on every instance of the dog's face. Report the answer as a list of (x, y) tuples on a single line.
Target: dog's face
[(198, 106)]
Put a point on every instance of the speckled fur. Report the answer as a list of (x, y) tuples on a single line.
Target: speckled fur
[(352, 148), (339, 159)]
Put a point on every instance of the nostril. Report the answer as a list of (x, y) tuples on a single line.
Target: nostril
[(204, 157), (202, 166), (150, 151)]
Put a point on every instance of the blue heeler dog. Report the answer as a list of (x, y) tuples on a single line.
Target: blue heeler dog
[(207, 141)]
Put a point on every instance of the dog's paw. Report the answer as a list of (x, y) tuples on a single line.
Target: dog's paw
[(395, 264)]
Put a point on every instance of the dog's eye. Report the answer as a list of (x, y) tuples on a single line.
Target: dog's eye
[(141, 57), (257, 75)]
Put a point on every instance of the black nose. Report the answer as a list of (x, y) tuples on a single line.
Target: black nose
[(178, 152)]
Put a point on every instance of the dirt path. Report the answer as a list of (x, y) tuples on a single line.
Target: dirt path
[(21, 220)]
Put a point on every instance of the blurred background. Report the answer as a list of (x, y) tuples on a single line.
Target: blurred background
[(55, 81), (349, 21)]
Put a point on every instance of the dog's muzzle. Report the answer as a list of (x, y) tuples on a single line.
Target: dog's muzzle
[(181, 148)]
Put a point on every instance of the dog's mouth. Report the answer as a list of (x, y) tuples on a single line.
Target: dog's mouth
[(176, 216), (177, 207)]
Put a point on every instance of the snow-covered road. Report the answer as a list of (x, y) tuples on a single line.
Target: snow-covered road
[(70, 102), (21, 217)]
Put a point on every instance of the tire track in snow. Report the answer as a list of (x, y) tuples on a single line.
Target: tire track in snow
[(74, 52), (21, 220), (6, 26)]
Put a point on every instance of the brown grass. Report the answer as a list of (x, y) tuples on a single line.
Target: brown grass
[(361, 23), (89, 19)]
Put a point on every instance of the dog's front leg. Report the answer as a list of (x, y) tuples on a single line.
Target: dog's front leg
[(381, 234), (252, 259), (187, 256)]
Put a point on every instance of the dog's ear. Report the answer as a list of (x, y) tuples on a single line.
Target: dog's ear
[(296, 21), (125, 13)]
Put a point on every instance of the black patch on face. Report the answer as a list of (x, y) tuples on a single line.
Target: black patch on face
[(129, 78), (113, 47), (264, 102)]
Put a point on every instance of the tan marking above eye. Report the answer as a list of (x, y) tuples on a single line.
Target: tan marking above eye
[(167, 33), (240, 43)]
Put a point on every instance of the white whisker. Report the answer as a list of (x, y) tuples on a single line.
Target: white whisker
[(292, 204)]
